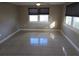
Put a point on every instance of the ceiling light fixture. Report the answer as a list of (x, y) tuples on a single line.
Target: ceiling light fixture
[(38, 4)]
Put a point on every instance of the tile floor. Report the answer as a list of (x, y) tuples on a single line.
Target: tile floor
[(37, 44)]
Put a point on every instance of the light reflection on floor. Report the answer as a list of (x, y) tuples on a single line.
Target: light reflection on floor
[(34, 41), (52, 36), (37, 44), (41, 41)]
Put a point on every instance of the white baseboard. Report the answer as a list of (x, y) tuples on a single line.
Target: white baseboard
[(71, 42), (8, 36), (40, 29)]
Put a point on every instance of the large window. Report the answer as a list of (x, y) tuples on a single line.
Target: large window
[(72, 21), (38, 18), (38, 15), (43, 18), (33, 18), (68, 20), (76, 22)]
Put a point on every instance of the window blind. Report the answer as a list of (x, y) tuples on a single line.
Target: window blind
[(72, 9), (38, 11)]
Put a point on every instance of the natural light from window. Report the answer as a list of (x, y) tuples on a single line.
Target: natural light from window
[(76, 22), (72, 21), (68, 20), (43, 18), (38, 18), (33, 18), (52, 25)]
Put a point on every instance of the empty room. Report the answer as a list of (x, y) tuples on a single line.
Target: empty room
[(39, 28)]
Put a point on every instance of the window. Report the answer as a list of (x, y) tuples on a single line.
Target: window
[(43, 18), (38, 18), (33, 18), (68, 20), (38, 14), (76, 22), (72, 21)]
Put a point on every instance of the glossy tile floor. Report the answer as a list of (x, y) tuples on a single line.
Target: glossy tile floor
[(37, 44)]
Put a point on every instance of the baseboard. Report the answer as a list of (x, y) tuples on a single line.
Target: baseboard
[(71, 42), (8, 36), (40, 29)]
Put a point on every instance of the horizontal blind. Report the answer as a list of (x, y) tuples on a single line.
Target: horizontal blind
[(72, 9), (33, 11), (38, 11)]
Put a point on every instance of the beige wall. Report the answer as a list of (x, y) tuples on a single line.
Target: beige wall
[(8, 19), (55, 14)]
